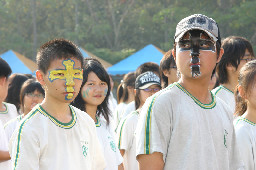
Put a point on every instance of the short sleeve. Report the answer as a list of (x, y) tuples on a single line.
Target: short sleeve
[(245, 144), (24, 149), (125, 133), (154, 126)]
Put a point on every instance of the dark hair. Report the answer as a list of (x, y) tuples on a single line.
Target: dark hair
[(122, 89), (165, 64), (137, 99), (29, 86), (57, 49), (16, 81), (93, 65), (246, 79), (234, 50), (5, 69), (148, 66)]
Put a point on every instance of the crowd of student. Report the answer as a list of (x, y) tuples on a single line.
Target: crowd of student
[(197, 110)]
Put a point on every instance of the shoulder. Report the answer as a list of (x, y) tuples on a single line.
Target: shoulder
[(216, 90), (243, 128), (82, 116), (11, 107)]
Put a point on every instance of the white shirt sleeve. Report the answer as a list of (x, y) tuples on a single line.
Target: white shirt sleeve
[(244, 141), (125, 134), (24, 149), (154, 127)]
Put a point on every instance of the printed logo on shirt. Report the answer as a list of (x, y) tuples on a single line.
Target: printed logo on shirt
[(112, 144), (225, 137), (84, 148)]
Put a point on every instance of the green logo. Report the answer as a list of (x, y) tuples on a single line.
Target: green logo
[(112, 144), (85, 150)]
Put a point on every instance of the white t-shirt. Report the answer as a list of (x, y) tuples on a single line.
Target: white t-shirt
[(42, 142), (190, 135), (129, 108), (126, 140), (118, 113), (106, 137), (246, 139), (226, 95), (11, 125), (9, 113), (6, 165)]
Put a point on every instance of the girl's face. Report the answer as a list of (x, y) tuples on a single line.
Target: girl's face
[(145, 93), (32, 99), (94, 90), (251, 96)]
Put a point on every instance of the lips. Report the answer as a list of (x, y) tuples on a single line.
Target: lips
[(98, 96)]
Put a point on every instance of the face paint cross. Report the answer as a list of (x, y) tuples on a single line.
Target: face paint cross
[(68, 74)]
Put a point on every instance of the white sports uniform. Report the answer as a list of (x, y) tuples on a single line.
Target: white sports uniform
[(246, 139), (42, 142), (118, 113), (190, 135), (6, 165), (112, 155), (129, 109), (9, 113), (126, 140), (226, 95), (11, 125)]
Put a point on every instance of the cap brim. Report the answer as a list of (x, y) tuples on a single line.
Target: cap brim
[(148, 85), (195, 28)]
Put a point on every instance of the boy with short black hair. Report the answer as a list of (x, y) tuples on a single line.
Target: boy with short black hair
[(185, 126), (56, 135), (238, 51)]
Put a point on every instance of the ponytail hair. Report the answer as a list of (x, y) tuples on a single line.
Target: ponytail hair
[(122, 89), (246, 80)]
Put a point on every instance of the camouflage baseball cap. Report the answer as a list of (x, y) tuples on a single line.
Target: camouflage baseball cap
[(200, 22)]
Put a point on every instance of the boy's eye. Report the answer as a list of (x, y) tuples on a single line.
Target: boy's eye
[(77, 74), (185, 44), (59, 74), (103, 83)]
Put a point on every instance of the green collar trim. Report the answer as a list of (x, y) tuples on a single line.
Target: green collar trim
[(98, 124), (245, 120), (202, 105), (57, 122), (224, 88)]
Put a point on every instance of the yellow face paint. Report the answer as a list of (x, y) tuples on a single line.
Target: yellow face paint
[(68, 74)]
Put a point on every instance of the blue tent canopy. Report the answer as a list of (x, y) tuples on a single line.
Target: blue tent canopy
[(147, 54), (15, 63)]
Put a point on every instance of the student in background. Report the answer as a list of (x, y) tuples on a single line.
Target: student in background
[(146, 85), (15, 82), (31, 94), (93, 99), (237, 51), (168, 69), (245, 124), (125, 95)]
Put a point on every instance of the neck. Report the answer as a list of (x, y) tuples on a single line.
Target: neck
[(232, 82), (198, 88), (57, 109), (250, 113), (91, 111)]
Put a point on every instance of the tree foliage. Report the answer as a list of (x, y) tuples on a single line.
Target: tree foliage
[(114, 29)]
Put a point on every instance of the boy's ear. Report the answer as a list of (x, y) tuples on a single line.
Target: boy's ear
[(174, 55), (40, 77)]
